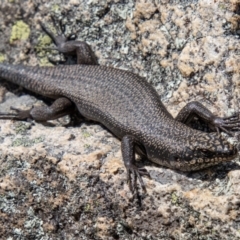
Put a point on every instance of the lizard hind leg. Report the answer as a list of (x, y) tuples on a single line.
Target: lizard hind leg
[(69, 46), (59, 108)]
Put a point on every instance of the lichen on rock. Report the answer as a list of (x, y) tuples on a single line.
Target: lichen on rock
[(20, 31)]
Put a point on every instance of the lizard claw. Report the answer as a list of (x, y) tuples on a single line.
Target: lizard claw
[(227, 124), (132, 174), (58, 25), (19, 115), (60, 37)]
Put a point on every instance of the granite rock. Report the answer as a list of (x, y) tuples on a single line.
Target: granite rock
[(59, 181)]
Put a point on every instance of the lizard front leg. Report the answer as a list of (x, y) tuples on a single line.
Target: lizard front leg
[(192, 109), (133, 172), (59, 108), (68, 46)]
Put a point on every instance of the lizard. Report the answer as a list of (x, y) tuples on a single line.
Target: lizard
[(128, 106)]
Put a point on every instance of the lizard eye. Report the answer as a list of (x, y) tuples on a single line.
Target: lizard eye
[(72, 37), (207, 153)]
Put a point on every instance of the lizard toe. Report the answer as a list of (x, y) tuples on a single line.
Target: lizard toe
[(133, 173)]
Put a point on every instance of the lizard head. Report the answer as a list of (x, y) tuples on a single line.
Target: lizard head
[(211, 150), (194, 152)]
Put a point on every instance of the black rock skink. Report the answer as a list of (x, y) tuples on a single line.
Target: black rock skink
[(128, 106)]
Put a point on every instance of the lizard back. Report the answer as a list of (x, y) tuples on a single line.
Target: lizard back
[(111, 96), (127, 105)]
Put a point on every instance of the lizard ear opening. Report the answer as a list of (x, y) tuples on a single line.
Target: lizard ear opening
[(207, 153)]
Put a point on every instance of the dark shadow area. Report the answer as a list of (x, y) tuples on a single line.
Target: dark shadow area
[(20, 91), (187, 180)]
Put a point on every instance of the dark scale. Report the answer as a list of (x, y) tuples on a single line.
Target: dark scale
[(129, 107)]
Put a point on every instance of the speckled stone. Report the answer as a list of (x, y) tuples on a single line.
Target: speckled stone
[(65, 182)]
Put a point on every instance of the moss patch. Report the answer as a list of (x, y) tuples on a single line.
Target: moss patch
[(86, 134), (27, 142), (43, 41), (20, 31), (2, 57), (22, 127), (44, 61), (55, 8)]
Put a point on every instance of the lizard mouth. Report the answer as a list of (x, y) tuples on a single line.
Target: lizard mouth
[(196, 163), (204, 161)]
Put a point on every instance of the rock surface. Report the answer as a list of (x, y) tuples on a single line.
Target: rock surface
[(65, 182)]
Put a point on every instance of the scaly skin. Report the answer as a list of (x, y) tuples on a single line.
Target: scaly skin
[(129, 107)]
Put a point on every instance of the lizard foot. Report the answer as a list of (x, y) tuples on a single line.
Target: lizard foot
[(19, 115), (227, 124), (61, 29), (60, 38), (68, 45), (132, 174)]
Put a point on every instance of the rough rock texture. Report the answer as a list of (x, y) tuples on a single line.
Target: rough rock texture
[(65, 182)]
